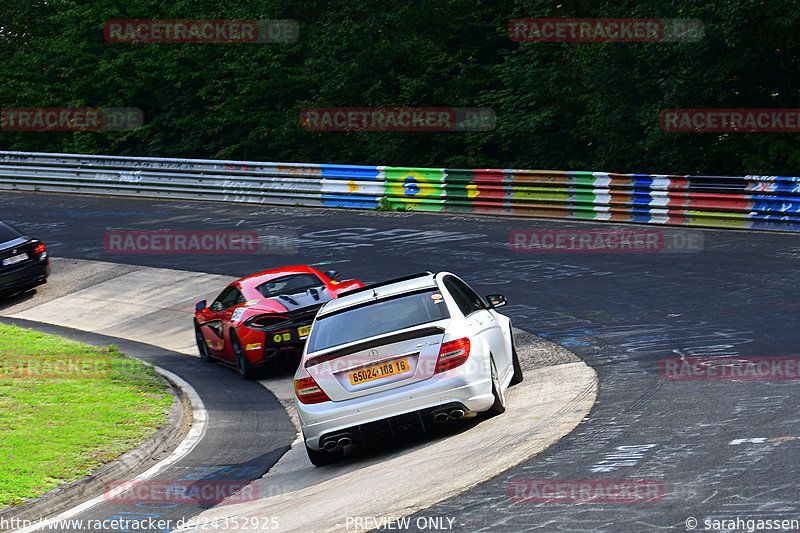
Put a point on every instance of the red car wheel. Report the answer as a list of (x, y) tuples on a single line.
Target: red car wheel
[(202, 347), (244, 365)]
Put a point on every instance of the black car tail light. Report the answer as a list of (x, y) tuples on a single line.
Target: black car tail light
[(39, 250), (264, 322)]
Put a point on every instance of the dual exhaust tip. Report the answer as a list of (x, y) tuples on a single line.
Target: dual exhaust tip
[(343, 440), (450, 414), (337, 442)]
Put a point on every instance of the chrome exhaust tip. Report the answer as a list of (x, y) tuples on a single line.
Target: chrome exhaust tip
[(441, 417), (334, 443), (330, 445), (455, 414)]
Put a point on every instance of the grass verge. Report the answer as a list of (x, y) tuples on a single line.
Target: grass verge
[(67, 408)]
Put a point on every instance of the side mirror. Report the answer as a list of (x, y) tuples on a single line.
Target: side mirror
[(332, 274), (200, 305), (496, 300)]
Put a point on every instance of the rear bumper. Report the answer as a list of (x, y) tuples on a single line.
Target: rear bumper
[(263, 348), (273, 353), (419, 399), (25, 277)]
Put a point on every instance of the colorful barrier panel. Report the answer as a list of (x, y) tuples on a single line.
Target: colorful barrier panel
[(754, 202)]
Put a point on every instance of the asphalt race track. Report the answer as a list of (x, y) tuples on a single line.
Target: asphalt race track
[(559, 391), (719, 450)]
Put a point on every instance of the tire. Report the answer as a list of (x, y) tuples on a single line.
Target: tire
[(323, 458), (499, 405), (517, 377), (243, 364), (201, 344)]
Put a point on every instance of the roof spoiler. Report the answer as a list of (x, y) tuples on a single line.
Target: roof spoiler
[(387, 282)]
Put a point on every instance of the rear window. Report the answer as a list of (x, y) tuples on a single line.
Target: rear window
[(377, 318), (288, 285), (7, 233)]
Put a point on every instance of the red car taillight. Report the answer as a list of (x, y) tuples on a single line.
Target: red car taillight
[(266, 321), (307, 391), (39, 250), (452, 354)]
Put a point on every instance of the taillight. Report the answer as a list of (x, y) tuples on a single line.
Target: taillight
[(307, 391), (452, 354), (266, 321), (39, 249)]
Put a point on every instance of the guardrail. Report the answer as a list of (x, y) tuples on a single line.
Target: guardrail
[(756, 202)]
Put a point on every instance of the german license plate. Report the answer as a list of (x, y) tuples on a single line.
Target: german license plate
[(382, 370), (14, 259), (302, 331)]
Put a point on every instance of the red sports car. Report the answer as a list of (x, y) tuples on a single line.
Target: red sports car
[(266, 317)]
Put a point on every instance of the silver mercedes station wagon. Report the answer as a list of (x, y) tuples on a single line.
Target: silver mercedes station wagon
[(419, 350)]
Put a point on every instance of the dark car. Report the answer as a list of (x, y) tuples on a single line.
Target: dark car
[(265, 318), (23, 261)]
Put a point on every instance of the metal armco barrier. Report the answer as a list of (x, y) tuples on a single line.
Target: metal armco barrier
[(756, 202)]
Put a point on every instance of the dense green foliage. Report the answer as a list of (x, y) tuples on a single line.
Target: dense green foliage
[(571, 106)]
